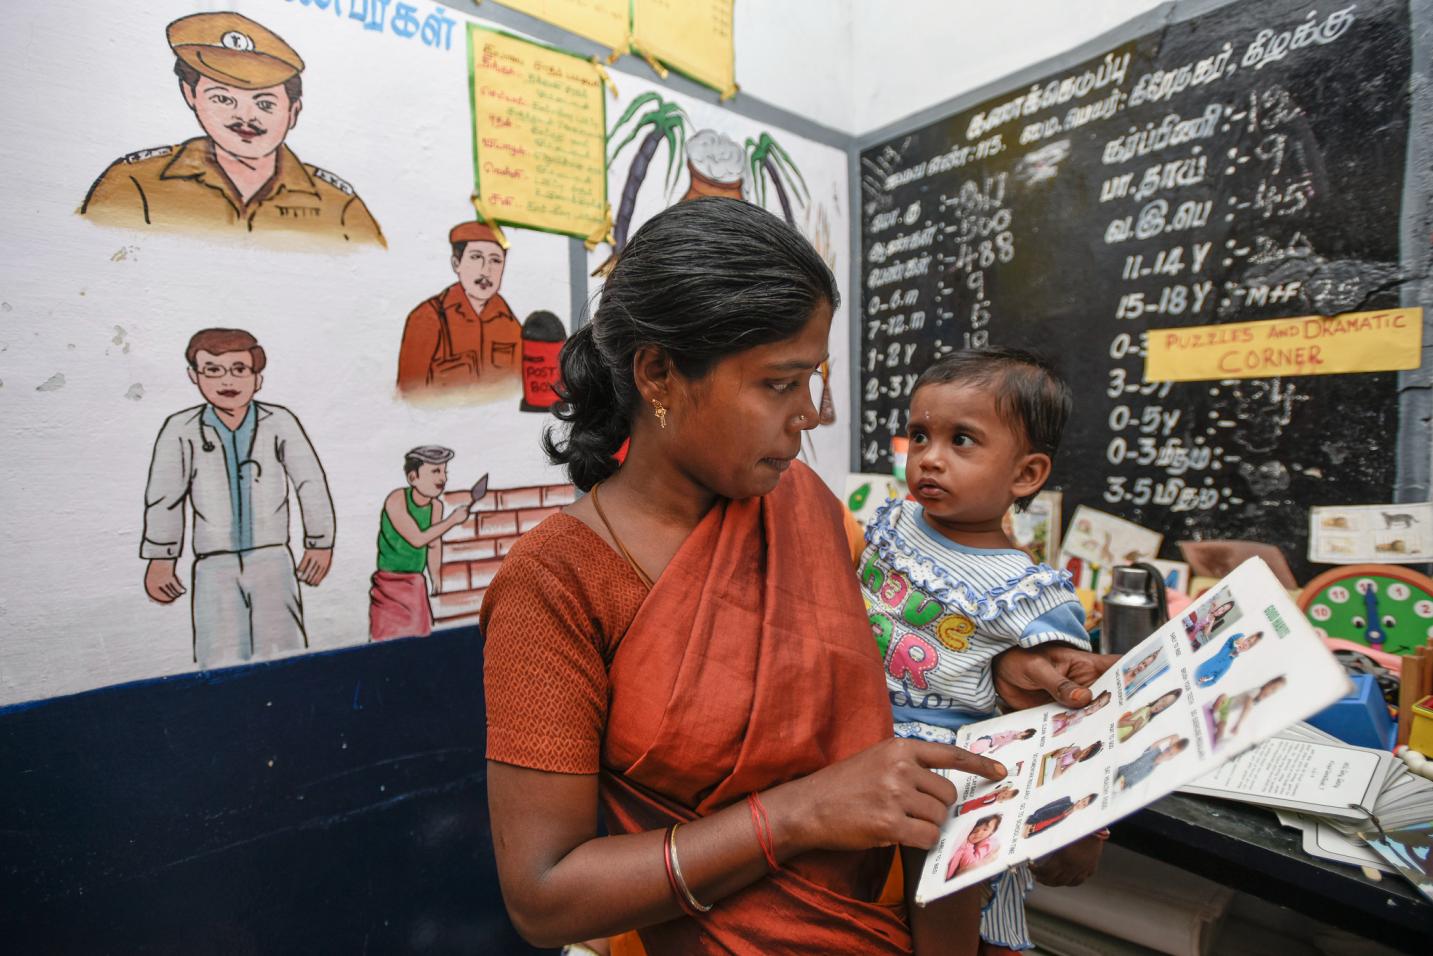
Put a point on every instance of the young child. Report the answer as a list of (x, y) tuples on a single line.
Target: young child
[(1239, 707), (1059, 761), (1054, 812), (980, 844), (1217, 666), (946, 587), (989, 743), (988, 799)]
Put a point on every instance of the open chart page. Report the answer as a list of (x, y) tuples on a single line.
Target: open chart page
[(1240, 665)]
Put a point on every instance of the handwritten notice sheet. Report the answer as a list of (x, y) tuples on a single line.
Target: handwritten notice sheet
[(539, 136), (1379, 341), (603, 21), (691, 36)]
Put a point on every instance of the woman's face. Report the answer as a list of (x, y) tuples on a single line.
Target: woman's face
[(741, 424), (1245, 643)]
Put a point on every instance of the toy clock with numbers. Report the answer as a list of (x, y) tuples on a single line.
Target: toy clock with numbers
[(1384, 606)]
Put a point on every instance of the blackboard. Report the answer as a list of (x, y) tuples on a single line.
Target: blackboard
[(1244, 164)]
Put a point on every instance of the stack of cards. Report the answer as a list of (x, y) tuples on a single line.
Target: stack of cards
[(1355, 805)]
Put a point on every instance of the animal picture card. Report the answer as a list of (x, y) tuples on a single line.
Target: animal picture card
[(1358, 534), (1036, 530), (1096, 542)]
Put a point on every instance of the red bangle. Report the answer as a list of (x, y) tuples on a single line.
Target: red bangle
[(762, 826)]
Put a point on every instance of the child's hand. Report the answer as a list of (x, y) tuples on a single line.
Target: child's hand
[(1070, 865), (1059, 672)]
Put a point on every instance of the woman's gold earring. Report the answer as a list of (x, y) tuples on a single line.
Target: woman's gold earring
[(661, 413)]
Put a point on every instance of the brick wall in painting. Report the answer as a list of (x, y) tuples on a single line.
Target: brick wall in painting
[(473, 551)]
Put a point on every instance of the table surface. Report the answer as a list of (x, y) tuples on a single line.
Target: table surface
[(1245, 848)]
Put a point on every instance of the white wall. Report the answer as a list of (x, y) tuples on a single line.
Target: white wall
[(93, 321), (912, 54), (800, 55)]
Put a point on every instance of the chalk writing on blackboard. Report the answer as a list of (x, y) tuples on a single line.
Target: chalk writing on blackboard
[(1240, 167)]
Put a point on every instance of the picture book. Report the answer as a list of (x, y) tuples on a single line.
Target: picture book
[(1238, 666)]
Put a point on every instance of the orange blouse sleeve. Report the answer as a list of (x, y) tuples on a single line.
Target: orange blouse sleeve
[(544, 675)]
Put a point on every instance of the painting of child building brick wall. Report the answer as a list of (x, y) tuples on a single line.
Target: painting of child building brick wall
[(474, 550)]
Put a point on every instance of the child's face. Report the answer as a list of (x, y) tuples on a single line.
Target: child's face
[(982, 831), (967, 464)]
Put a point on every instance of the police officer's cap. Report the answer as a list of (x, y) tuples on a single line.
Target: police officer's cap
[(232, 49)]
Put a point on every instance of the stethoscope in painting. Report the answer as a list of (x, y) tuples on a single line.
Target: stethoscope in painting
[(208, 445)]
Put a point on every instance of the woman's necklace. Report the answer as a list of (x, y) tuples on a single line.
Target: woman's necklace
[(597, 503)]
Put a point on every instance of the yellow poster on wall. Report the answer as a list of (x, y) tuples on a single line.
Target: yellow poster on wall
[(1381, 341), (691, 36), (602, 21), (539, 136)]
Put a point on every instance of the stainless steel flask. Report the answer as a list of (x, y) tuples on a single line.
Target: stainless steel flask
[(1134, 608)]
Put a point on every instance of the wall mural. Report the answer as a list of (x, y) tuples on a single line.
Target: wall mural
[(228, 462), (410, 545), (244, 85), (405, 361), (462, 343)]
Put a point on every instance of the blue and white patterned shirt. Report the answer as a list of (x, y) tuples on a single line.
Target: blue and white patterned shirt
[(942, 612)]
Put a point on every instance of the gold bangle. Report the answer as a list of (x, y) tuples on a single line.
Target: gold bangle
[(677, 873)]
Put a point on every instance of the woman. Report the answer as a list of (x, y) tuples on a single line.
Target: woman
[(1132, 722), (690, 632), (1218, 665)]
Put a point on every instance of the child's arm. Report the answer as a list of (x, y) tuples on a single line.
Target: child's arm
[(1070, 865), (949, 926)]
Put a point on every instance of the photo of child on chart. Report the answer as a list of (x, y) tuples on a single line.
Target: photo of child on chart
[(1064, 720), (1054, 812), (1228, 713), (979, 845), (1133, 721)]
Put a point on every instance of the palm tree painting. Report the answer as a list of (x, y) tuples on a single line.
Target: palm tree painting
[(716, 164), (770, 163), (668, 124)]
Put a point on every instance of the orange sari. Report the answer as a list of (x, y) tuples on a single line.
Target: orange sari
[(751, 663)]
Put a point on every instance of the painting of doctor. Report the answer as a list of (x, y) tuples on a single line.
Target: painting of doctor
[(229, 462)]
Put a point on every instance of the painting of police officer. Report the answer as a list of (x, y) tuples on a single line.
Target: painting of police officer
[(244, 86)]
